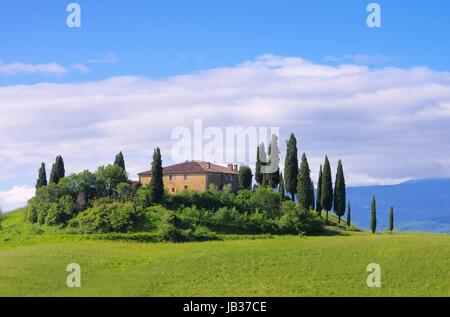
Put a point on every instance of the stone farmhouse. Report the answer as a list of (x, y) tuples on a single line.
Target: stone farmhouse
[(195, 175)]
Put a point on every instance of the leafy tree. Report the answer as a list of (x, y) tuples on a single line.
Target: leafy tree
[(261, 160), (327, 188), (273, 179), (281, 189), (58, 171), (119, 161), (319, 193), (339, 192), (123, 191), (156, 183), (42, 177), (391, 219), (291, 166), (245, 177), (304, 184), (373, 215), (349, 217), (313, 200), (108, 178)]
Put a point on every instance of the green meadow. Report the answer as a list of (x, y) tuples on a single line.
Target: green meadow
[(33, 263)]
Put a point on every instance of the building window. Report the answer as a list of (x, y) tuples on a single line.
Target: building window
[(173, 190), (185, 187), (170, 177)]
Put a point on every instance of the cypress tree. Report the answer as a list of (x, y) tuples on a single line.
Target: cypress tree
[(281, 188), (245, 177), (373, 216), (313, 200), (304, 184), (273, 179), (119, 161), (349, 217), (339, 192), (261, 160), (319, 193), (327, 188), (58, 170), (391, 219), (42, 177), (291, 166), (156, 183)]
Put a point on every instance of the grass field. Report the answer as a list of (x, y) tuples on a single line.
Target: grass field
[(33, 264)]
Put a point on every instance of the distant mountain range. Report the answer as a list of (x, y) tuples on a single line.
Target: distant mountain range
[(420, 205)]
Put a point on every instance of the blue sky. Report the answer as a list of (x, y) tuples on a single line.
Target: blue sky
[(162, 38), (378, 98)]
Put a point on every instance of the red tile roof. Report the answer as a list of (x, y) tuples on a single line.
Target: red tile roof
[(194, 167)]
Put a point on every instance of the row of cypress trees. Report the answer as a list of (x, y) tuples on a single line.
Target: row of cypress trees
[(298, 182)]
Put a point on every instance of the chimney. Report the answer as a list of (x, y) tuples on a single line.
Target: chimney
[(209, 165), (235, 167), (230, 167)]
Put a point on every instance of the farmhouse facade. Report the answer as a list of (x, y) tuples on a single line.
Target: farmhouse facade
[(195, 175)]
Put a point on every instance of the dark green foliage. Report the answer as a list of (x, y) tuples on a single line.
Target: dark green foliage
[(291, 166), (108, 178), (58, 171), (119, 161), (273, 178), (319, 193), (156, 183), (373, 215), (304, 184), (281, 189), (340, 192), (42, 177), (391, 219), (261, 160), (173, 228), (349, 216), (313, 200), (327, 188), (245, 177)]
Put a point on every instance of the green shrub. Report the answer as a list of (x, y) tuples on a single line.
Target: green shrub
[(142, 197), (60, 213), (112, 217), (295, 220)]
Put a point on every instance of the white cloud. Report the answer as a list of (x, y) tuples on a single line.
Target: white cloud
[(23, 68), (362, 59), (387, 124), (16, 197), (81, 68)]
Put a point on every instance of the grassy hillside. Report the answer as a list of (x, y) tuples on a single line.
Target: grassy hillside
[(33, 263)]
